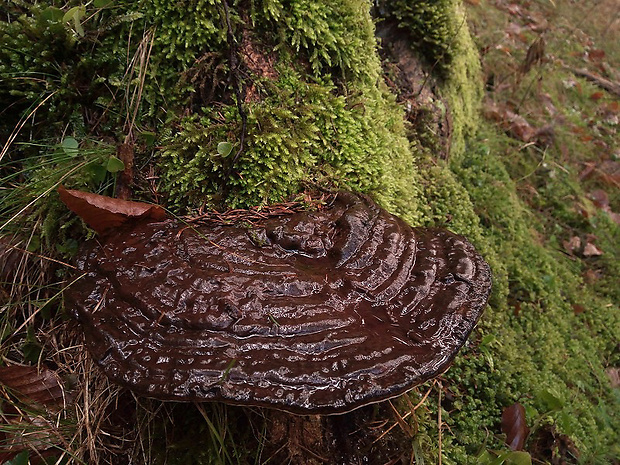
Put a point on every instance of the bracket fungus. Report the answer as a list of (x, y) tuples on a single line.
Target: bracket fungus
[(314, 312)]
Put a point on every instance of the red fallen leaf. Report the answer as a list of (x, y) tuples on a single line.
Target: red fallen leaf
[(596, 55), (106, 213), (514, 426), (33, 386), (596, 96)]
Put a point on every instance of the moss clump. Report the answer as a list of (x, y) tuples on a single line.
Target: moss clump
[(334, 37), (439, 33), (301, 128), (433, 26), (540, 348), (463, 88)]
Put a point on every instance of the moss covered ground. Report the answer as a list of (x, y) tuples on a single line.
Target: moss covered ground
[(233, 104)]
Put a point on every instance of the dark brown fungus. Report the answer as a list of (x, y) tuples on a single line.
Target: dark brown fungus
[(315, 312)]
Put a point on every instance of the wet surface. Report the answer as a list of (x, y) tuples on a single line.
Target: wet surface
[(316, 312)]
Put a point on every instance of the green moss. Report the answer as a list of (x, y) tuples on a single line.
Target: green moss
[(463, 88), (433, 27), (333, 36), (301, 130), (541, 344)]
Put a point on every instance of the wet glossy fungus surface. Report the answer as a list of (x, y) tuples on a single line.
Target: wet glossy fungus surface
[(316, 312)]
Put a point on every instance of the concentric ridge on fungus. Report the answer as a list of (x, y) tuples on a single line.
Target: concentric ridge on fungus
[(316, 312)]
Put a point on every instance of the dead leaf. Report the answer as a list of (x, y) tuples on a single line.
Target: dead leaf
[(590, 250), (547, 102), (514, 30), (578, 309), (33, 386), (514, 9), (572, 245), (514, 426), (596, 96), (512, 123), (588, 169), (535, 55), (600, 199), (538, 22), (614, 376), (609, 172), (596, 55), (104, 214)]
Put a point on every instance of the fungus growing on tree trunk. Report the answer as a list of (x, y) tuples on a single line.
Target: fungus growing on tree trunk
[(314, 312)]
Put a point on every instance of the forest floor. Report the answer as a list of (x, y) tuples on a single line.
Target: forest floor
[(542, 182)]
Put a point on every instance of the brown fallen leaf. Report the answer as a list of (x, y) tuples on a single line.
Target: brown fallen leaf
[(614, 376), (600, 199), (590, 250), (517, 126), (104, 214), (595, 54), (33, 386), (572, 245), (535, 55), (514, 426), (578, 309)]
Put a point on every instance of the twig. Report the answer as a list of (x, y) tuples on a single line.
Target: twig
[(610, 86)]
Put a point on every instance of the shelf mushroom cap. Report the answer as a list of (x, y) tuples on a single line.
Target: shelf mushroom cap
[(316, 312)]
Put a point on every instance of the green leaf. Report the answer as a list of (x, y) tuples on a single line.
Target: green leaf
[(115, 164), (149, 137), (103, 3), (68, 248), (52, 15), (31, 347), (485, 458), (70, 146), (519, 458), (76, 14), (97, 172), (488, 340), (20, 459), (550, 400), (34, 244), (224, 148)]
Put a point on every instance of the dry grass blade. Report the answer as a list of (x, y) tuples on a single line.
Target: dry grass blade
[(140, 61), (43, 194), (406, 415)]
